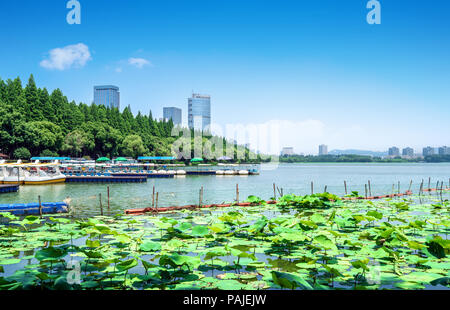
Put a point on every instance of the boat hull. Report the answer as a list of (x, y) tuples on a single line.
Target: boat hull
[(41, 182), (13, 182)]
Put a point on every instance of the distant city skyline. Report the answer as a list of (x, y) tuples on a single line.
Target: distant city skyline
[(317, 69), (391, 152)]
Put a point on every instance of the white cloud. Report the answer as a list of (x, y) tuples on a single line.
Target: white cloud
[(67, 57), (139, 62)]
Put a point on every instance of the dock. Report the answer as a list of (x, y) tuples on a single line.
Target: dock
[(106, 179), (145, 175), (201, 172), (33, 208), (9, 188)]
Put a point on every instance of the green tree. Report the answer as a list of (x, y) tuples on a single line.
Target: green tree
[(77, 142), (22, 153), (133, 146)]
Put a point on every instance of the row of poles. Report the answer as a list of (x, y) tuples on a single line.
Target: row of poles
[(280, 192)]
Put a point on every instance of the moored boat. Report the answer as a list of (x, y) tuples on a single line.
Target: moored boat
[(40, 177)]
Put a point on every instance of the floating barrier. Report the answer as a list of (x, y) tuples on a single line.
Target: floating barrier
[(206, 172), (248, 204), (144, 175), (106, 179), (407, 193), (33, 208), (9, 188)]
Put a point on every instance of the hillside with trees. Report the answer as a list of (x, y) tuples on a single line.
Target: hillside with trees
[(34, 122)]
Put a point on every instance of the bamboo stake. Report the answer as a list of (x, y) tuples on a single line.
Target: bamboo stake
[(312, 188), (237, 193), (157, 197), (365, 187), (108, 196), (274, 192), (153, 197), (200, 197), (370, 189), (40, 206), (101, 206), (325, 189), (345, 186), (410, 185)]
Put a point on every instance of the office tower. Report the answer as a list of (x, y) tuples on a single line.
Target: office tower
[(408, 152), (287, 151), (199, 112), (174, 114), (323, 149), (428, 151), (444, 150), (394, 151), (107, 95)]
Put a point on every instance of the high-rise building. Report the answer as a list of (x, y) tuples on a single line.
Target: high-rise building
[(107, 95), (199, 112), (444, 150), (394, 151), (287, 151), (428, 151), (408, 152), (323, 149), (174, 114)]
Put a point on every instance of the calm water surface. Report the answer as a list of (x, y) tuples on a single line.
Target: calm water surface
[(293, 178)]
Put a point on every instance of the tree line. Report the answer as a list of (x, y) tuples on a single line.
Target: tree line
[(34, 122)]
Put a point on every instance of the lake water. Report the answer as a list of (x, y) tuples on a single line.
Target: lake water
[(292, 178)]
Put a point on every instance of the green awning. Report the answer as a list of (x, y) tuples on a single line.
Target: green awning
[(195, 160), (101, 159), (121, 159)]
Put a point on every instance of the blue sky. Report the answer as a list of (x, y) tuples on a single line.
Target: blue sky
[(315, 67)]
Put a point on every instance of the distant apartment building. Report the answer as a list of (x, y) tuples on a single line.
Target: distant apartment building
[(287, 151), (199, 112), (174, 114), (408, 152), (394, 151), (323, 149), (428, 151), (107, 95), (444, 150)]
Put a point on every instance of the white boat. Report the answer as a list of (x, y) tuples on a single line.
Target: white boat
[(14, 175), (40, 177), (243, 172), (181, 172), (3, 173)]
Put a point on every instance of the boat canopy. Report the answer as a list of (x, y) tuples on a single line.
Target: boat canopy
[(142, 158), (50, 158)]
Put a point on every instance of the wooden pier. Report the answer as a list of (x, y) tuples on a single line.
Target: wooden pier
[(9, 188)]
